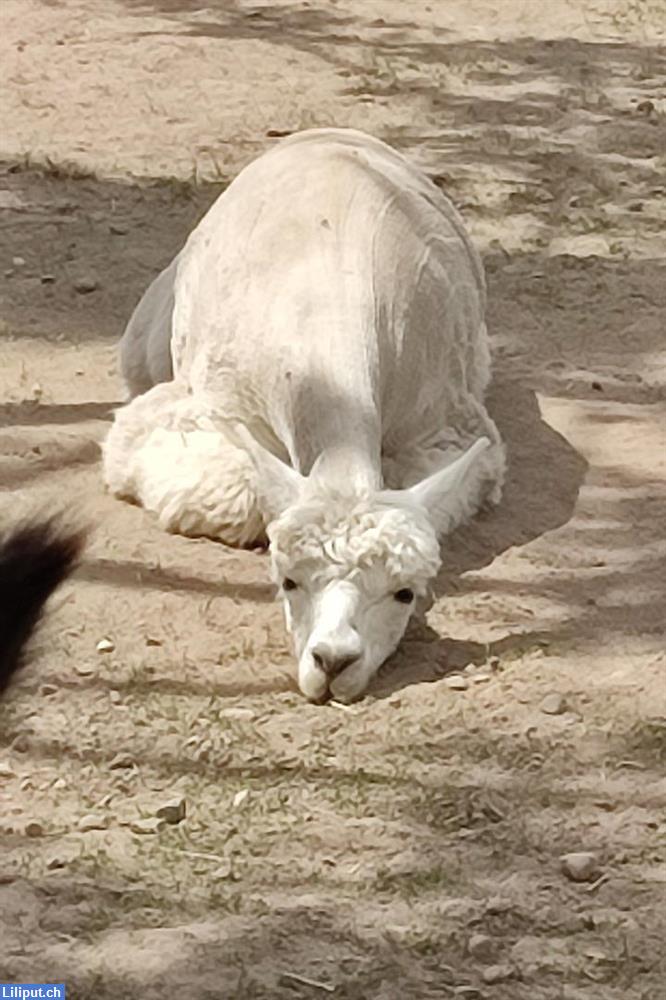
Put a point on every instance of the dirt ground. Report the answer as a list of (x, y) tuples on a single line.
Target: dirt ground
[(408, 846)]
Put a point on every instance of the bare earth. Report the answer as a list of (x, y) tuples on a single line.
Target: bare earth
[(356, 852)]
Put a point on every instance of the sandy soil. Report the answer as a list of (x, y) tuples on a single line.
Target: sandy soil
[(408, 846)]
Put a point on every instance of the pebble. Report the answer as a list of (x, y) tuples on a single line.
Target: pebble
[(85, 284), (48, 689), (47, 279), (121, 760), (18, 262), (115, 697), (105, 646), (118, 229), (481, 947), (55, 862), (553, 704), (84, 670), (149, 825), (172, 812), (236, 713), (34, 829), (92, 822), (496, 905), (456, 682), (223, 871), (240, 797), (21, 743), (497, 974), (580, 866), (6, 770), (59, 783)]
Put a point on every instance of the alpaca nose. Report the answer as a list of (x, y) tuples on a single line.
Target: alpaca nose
[(333, 663)]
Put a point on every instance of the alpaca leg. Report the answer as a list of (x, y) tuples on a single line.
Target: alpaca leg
[(198, 483), (164, 452), (132, 426)]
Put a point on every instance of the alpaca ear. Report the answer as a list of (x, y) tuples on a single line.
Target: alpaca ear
[(438, 493), (278, 485)]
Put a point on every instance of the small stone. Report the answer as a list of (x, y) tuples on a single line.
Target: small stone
[(47, 279), (239, 714), (496, 905), (121, 760), (18, 262), (105, 646), (84, 670), (92, 822), (481, 947), (152, 824), (59, 783), (118, 229), (580, 866), (48, 689), (151, 640), (481, 677), (34, 829), (553, 704), (497, 974), (6, 770), (21, 743), (54, 862), (223, 871), (85, 284), (172, 812), (6, 878), (456, 682), (115, 697), (240, 797)]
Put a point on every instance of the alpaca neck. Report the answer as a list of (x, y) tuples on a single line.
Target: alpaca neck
[(349, 467)]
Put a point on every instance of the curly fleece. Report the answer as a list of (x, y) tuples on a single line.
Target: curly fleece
[(333, 535)]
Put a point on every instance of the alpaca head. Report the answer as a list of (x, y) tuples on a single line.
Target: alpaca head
[(351, 568)]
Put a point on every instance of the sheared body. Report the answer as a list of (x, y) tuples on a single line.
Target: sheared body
[(328, 314), (332, 294)]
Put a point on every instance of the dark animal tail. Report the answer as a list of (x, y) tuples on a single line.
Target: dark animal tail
[(34, 558)]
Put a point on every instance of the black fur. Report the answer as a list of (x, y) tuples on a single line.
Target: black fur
[(35, 558)]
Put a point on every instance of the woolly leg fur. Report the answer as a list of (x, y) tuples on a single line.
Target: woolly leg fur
[(165, 452)]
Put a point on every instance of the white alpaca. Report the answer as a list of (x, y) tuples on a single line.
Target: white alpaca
[(330, 360)]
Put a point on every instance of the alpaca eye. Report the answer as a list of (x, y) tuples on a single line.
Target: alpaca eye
[(404, 596), (289, 584)]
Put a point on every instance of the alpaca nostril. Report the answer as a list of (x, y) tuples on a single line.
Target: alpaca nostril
[(333, 665)]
